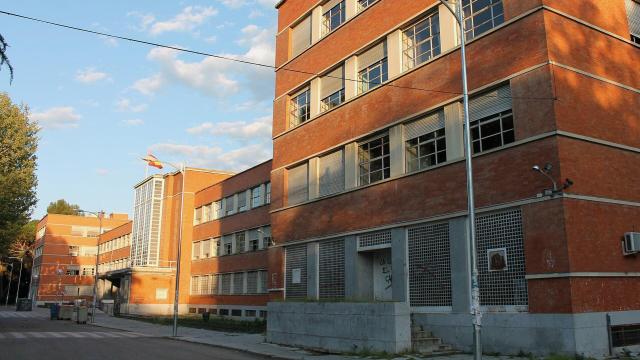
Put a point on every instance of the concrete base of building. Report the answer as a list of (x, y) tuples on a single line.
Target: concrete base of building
[(153, 309), (539, 334), (341, 327)]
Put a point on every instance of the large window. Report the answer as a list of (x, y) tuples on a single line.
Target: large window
[(333, 17), (373, 76), (421, 41), (374, 160), (298, 184), (217, 210), (481, 16), (332, 89), (240, 244), (331, 173), (301, 36), (230, 205), (492, 132), (242, 201), (633, 15), (426, 151), (256, 197), (363, 4), (299, 111), (267, 193)]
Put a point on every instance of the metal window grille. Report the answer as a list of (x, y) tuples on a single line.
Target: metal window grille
[(374, 239), (252, 282), (299, 108), (480, 16), (333, 18), (502, 231), (331, 269), (374, 160), (296, 261), (429, 265), (238, 283), (225, 286), (373, 76), (421, 41)]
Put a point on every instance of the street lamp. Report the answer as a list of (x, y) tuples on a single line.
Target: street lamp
[(100, 215), (455, 7), (153, 161)]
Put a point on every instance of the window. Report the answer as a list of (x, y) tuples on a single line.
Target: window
[(331, 173), (374, 160), (267, 193), (242, 201), (299, 108), (196, 250), (224, 312), (74, 250), (363, 4), (240, 245), (238, 283), (491, 120), (206, 213), (334, 17), (421, 41), (228, 245), (633, 15), (217, 210), (427, 145), (256, 197), (372, 68), (88, 271), (332, 89), (492, 132), (266, 237), (216, 249), (230, 207), (254, 243), (197, 217), (73, 270), (262, 285), (205, 248), (481, 16), (236, 312), (298, 184), (301, 36)]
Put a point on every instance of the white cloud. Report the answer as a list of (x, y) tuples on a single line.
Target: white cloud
[(260, 128), (57, 118), (133, 122), (90, 75), (102, 172), (188, 19), (268, 3), (150, 85), (234, 4), (213, 157), (211, 39), (125, 105), (255, 14)]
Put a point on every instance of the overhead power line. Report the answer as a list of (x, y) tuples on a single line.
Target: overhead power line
[(241, 61)]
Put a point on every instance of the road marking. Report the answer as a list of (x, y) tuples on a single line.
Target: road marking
[(18, 335), (92, 334), (38, 335), (70, 335)]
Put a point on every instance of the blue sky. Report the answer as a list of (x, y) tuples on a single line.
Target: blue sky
[(103, 103)]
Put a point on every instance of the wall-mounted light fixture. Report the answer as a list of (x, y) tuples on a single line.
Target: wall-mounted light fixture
[(546, 171)]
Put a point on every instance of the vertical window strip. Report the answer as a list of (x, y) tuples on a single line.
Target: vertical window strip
[(421, 41), (333, 18), (300, 108), (374, 160)]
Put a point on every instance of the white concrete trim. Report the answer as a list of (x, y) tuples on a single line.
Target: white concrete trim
[(602, 200), (597, 141), (581, 275), (588, 74)]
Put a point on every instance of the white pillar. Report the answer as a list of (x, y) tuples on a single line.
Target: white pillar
[(449, 29), (351, 8), (351, 77), (396, 149), (314, 184), (394, 53), (314, 91), (316, 24), (351, 165), (454, 127)]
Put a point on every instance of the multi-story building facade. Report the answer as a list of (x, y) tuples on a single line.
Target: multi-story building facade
[(65, 256), (231, 236), (369, 190)]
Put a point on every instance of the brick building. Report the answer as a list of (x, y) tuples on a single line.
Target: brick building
[(369, 190), (65, 256)]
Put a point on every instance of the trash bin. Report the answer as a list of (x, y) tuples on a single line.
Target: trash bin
[(80, 314), (54, 311), (206, 315), (23, 305), (66, 312)]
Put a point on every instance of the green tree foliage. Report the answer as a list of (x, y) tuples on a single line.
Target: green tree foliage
[(62, 207), (4, 59), (18, 144)]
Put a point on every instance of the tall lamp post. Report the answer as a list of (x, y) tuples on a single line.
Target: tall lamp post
[(6, 303), (100, 215), (455, 7), (153, 161), (19, 278)]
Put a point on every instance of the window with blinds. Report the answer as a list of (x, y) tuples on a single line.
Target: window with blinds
[(633, 15), (197, 217), (217, 210), (491, 119), (240, 245), (254, 240), (196, 251), (372, 68), (331, 173), (230, 205), (301, 37), (426, 144), (332, 89), (205, 248), (298, 184), (242, 201), (238, 283)]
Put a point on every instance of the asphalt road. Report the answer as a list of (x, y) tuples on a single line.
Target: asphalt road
[(30, 335)]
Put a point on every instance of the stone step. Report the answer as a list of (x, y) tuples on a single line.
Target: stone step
[(429, 348), (422, 334), (426, 341), (425, 337)]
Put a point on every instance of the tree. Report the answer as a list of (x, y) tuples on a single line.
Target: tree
[(3, 57), (62, 207), (18, 145)]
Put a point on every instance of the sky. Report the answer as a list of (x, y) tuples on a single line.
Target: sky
[(102, 103)]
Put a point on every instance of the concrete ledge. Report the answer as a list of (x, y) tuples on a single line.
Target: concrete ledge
[(341, 327)]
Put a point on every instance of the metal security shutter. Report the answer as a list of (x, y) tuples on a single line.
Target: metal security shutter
[(331, 173), (331, 269), (301, 36), (252, 282), (633, 14), (238, 283), (298, 184), (502, 231), (332, 82), (425, 125), (429, 265), (380, 239), (296, 261), (490, 103), (372, 55)]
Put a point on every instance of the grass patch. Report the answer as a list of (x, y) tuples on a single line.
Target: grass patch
[(215, 323)]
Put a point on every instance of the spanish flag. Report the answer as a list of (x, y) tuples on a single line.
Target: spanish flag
[(153, 161)]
